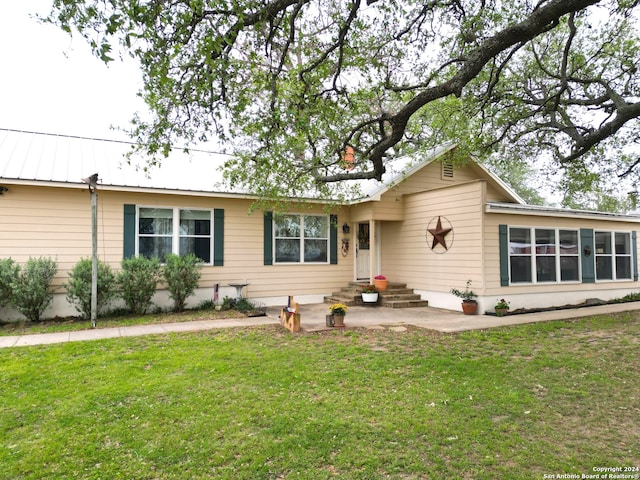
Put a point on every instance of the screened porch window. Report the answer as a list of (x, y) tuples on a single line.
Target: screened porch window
[(520, 255), (539, 255), (613, 255), (301, 238), (569, 256)]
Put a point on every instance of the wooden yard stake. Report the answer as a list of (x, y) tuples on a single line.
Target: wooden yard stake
[(290, 316)]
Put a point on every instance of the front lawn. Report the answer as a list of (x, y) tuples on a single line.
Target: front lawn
[(260, 403)]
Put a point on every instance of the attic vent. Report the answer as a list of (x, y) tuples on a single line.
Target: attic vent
[(447, 171)]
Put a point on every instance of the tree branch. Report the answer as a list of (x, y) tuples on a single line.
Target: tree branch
[(541, 20), (586, 142)]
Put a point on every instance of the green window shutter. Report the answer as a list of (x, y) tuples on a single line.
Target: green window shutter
[(634, 254), (588, 261), (268, 238), (503, 233), (218, 237), (333, 240), (129, 245)]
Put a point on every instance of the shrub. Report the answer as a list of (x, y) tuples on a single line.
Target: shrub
[(138, 280), (9, 271), (32, 287), (207, 305), (228, 303), (244, 305), (181, 273), (79, 286)]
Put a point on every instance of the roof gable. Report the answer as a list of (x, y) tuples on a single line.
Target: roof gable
[(413, 175)]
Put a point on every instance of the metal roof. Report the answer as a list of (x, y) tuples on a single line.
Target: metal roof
[(64, 159)]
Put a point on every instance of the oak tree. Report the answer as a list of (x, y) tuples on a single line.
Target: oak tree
[(295, 86)]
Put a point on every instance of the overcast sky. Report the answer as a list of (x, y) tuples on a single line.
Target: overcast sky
[(52, 83)]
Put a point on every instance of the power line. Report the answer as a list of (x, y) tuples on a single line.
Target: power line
[(95, 139)]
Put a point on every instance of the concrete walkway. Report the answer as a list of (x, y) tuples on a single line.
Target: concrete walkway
[(313, 318)]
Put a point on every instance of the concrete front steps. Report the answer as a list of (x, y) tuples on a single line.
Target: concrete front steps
[(397, 295)]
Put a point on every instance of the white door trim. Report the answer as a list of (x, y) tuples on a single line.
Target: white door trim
[(363, 251)]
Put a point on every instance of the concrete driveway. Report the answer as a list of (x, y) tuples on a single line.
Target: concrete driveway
[(313, 317)]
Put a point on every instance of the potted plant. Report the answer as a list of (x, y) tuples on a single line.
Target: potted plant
[(469, 304), (369, 293), (338, 311), (380, 281), (502, 307)]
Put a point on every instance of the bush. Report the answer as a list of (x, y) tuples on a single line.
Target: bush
[(79, 286), (228, 303), (32, 287), (244, 305), (9, 271), (138, 280), (207, 305), (181, 273)]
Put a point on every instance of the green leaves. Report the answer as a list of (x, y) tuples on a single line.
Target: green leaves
[(290, 84), (31, 289), (79, 286), (9, 271), (181, 274)]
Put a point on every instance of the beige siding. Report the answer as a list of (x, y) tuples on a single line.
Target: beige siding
[(495, 194), (362, 212), (392, 205), (56, 222), (50, 222), (406, 255), (430, 177)]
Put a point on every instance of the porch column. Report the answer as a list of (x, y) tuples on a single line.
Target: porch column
[(372, 250)]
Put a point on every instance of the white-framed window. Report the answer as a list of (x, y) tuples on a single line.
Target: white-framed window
[(613, 255), (164, 230), (543, 255), (301, 238)]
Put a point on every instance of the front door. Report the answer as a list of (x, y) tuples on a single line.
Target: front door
[(363, 253)]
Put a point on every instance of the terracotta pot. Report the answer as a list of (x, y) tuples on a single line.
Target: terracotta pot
[(338, 320), (469, 308), (501, 312), (380, 284)]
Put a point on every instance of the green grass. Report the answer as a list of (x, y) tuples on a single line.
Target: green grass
[(260, 403)]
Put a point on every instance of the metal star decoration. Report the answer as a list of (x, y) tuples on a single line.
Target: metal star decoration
[(439, 235)]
